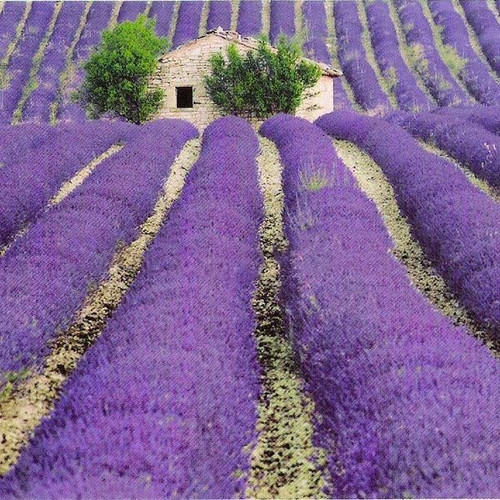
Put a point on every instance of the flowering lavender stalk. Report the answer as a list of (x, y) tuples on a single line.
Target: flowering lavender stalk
[(475, 74), (22, 59), (427, 61), (37, 108), (456, 223), (130, 10), (282, 19), (177, 424), (392, 66), (352, 56), (219, 15), (10, 17), (162, 12), (470, 144), (407, 402), (97, 21), (33, 179), (188, 22), (486, 116), (250, 17), (46, 274), (314, 19), (485, 25)]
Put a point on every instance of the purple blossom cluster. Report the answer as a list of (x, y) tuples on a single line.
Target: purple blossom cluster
[(130, 10), (219, 15), (165, 402), (45, 275), (407, 403), (340, 97), (10, 17), (392, 66), (475, 74), (163, 12), (486, 116), (469, 143), (34, 178), (457, 224), (188, 22), (484, 23), (282, 19), (314, 19), (20, 63), (352, 56), (429, 65), (37, 108), (250, 17), (97, 21)]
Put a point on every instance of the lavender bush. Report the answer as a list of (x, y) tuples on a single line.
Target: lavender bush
[(44, 276), (486, 116), (475, 74), (33, 179), (130, 10), (219, 15), (37, 108), (457, 224), (484, 23), (10, 17), (407, 403), (392, 66), (177, 424), (352, 56), (250, 17), (97, 21), (282, 19), (470, 144), (314, 19), (162, 12), (188, 22), (20, 63), (428, 63)]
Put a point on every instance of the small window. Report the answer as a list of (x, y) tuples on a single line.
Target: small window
[(184, 97)]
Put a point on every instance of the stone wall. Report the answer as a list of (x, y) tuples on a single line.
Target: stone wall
[(186, 67)]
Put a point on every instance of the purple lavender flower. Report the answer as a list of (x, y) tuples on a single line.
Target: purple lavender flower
[(188, 22), (407, 403), (282, 19), (219, 15), (130, 10), (314, 18), (486, 116), (457, 224), (10, 17), (162, 12), (165, 402), (250, 17)]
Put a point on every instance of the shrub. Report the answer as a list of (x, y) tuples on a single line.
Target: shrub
[(263, 82), (117, 73)]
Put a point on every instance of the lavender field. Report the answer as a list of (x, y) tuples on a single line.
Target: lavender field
[(283, 309)]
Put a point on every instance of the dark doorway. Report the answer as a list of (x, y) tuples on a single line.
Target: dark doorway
[(184, 97)]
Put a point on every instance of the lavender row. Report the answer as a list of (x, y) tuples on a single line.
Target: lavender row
[(340, 98), (175, 425), (392, 66), (37, 108), (219, 15), (475, 74), (428, 64), (250, 17), (407, 402), (352, 56), (129, 10), (484, 23), (470, 144), (282, 19), (188, 22), (97, 20), (457, 225), (314, 20), (10, 17), (44, 276), (20, 63), (32, 179), (486, 116), (163, 12)]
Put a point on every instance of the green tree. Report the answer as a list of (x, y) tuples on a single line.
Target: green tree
[(117, 73), (262, 82)]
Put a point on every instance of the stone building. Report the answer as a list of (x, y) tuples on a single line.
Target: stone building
[(180, 73)]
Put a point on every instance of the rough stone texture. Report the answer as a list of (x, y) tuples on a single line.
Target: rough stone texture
[(186, 67)]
